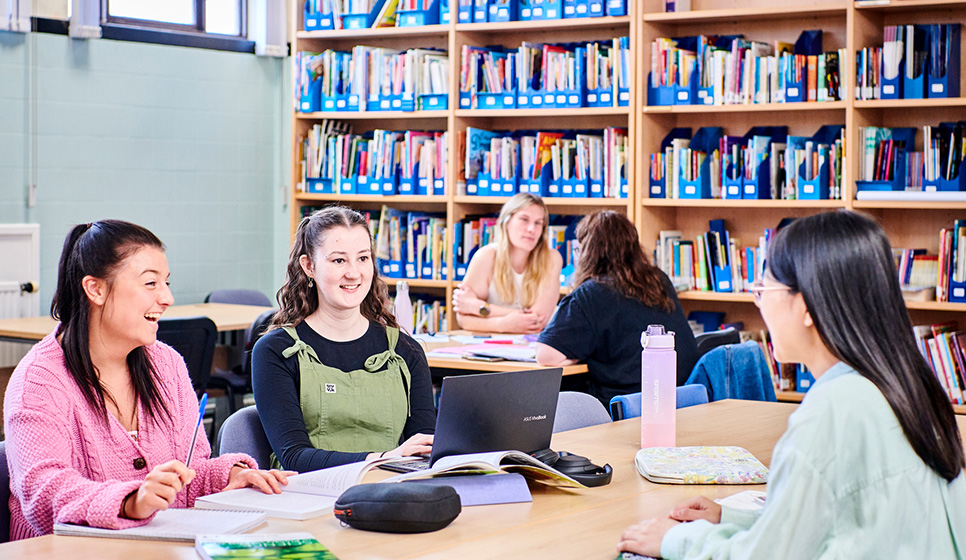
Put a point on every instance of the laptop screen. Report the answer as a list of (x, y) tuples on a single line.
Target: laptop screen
[(496, 412)]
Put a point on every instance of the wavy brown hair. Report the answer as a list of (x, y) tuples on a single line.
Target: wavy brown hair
[(297, 300), (538, 262), (611, 253)]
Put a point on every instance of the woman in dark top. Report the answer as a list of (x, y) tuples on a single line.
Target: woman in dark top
[(335, 379), (619, 293)]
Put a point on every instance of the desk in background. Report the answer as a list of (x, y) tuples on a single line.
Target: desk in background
[(455, 362), (227, 317), (559, 524)]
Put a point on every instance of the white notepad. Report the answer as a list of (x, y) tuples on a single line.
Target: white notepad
[(176, 524)]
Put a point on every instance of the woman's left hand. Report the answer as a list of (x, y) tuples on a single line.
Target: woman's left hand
[(645, 537), (270, 482)]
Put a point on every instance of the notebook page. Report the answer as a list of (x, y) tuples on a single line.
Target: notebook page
[(175, 524)]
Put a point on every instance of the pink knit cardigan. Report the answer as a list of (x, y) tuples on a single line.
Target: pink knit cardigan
[(68, 465)]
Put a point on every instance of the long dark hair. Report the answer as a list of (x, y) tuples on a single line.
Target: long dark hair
[(297, 300), (841, 263), (611, 252), (97, 249)]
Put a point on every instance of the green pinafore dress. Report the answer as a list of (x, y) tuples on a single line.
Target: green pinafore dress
[(355, 411)]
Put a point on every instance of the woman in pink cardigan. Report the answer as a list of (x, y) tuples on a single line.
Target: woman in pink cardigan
[(99, 415)]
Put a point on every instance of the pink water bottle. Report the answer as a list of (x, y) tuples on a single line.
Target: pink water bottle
[(658, 387)]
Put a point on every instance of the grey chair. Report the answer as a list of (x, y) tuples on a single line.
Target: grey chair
[(709, 340), (578, 410), (4, 495), (238, 297), (194, 338), (242, 432)]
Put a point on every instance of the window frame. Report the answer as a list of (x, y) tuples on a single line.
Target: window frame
[(109, 21)]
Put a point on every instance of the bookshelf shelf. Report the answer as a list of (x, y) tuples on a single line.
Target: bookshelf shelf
[(549, 201), (720, 203), (367, 33), (745, 108), (908, 205), (387, 199), (906, 5), (748, 14), (910, 103), (419, 283), (544, 113), (694, 295), (552, 24), (372, 115), (790, 396)]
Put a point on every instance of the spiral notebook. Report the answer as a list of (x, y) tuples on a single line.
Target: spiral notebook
[(700, 465), (176, 524)]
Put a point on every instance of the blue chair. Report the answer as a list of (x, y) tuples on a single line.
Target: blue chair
[(578, 410), (242, 432), (629, 406), (735, 371), (4, 495)]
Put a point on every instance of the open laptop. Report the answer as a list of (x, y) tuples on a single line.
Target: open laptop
[(493, 412)]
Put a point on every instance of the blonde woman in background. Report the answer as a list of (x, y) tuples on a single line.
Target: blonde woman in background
[(512, 284)]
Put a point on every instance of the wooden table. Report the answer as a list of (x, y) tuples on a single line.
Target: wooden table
[(455, 362), (558, 524), (227, 317)]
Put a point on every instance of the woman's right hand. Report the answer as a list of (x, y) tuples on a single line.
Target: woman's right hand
[(523, 322), (158, 491), (696, 508), (419, 444)]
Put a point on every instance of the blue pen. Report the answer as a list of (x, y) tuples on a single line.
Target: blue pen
[(194, 438)]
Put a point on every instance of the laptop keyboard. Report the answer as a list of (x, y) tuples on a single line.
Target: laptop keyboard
[(417, 464)]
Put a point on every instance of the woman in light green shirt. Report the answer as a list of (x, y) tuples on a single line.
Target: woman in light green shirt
[(871, 465)]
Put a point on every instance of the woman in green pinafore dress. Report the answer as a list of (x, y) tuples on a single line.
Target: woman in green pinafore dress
[(335, 379)]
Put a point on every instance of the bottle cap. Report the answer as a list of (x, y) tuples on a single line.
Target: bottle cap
[(402, 285), (655, 337)]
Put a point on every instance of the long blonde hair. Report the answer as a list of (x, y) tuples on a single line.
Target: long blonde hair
[(537, 262)]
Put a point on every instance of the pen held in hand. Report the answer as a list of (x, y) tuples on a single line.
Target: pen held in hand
[(194, 438)]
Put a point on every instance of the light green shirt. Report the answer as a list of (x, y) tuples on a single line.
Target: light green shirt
[(844, 483)]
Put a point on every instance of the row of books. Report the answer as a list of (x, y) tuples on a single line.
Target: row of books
[(726, 70), (914, 62), (580, 164), (888, 160), (411, 245), (534, 75), (429, 315), (481, 11), (943, 346), (361, 14), (333, 160), (764, 163), (372, 79), (713, 261)]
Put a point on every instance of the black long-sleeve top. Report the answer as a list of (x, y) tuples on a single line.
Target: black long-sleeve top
[(277, 382)]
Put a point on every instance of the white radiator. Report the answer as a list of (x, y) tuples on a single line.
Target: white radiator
[(12, 306)]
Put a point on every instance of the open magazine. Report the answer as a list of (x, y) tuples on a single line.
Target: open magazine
[(307, 495), (491, 463)]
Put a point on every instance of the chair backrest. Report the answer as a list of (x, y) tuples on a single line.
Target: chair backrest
[(712, 339), (629, 406), (252, 335), (578, 410), (4, 495), (194, 338), (242, 432), (735, 371), (239, 297)]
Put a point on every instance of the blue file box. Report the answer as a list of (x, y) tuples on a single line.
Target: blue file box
[(596, 8), (809, 43), (484, 184), (319, 186), (312, 102), (439, 186), (416, 18), (340, 102), (915, 87), (315, 21), (576, 9), (504, 100), (444, 14), (891, 88), (658, 187), (668, 95), (760, 188), (433, 102), (502, 10), (625, 188), (721, 272), (623, 97), (731, 188), (391, 268), (362, 20), (946, 85), (481, 9), (898, 182), (706, 140), (803, 379), (529, 185), (617, 7), (546, 9), (466, 100), (600, 97), (464, 14), (528, 98), (947, 185), (818, 188)]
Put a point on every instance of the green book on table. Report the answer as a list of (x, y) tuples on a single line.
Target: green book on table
[(263, 546)]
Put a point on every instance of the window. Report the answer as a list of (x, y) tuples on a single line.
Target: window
[(223, 17)]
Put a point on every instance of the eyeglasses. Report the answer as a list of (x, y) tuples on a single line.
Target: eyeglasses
[(757, 288)]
